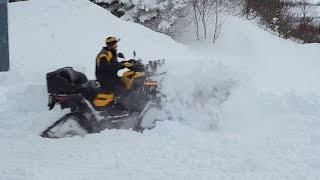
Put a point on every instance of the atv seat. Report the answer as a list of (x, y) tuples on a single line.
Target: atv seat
[(74, 77), (65, 80)]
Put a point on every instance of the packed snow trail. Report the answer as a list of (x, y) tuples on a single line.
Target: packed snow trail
[(236, 112)]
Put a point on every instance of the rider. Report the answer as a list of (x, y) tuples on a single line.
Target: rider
[(107, 67)]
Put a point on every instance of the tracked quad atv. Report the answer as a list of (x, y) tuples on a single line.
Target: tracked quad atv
[(71, 89)]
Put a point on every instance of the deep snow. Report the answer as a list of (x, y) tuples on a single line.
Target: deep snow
[(247, 107)]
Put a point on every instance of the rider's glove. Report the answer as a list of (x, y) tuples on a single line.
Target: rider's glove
[(127, 64)]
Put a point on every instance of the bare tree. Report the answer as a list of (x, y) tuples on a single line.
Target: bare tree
[(235, 6), (247, 7), (307, 12), (289, 18), (219, 10), (195, 16), (252, 7), (204, 10), (201, 10), (286, 22), (308, 15)]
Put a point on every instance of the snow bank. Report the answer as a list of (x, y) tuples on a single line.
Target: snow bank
[(252, 96)]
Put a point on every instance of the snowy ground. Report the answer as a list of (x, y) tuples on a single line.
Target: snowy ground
[(247, 107)]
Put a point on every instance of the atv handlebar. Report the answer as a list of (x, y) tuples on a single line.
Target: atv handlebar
[(151, 67)]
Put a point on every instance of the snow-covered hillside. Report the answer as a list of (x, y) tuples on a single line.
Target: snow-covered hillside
[(247, 107)]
